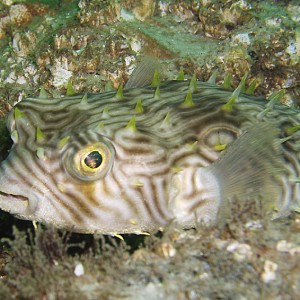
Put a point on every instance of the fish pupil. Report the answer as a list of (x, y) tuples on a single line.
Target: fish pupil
[(93, 160)]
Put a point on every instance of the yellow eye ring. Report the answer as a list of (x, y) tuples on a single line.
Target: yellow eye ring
[(91, 162), (87, 156), (93, 159)]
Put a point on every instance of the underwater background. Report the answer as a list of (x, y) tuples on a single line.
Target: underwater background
[(94, 45)]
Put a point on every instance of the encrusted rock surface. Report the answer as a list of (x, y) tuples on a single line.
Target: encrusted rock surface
[(94, 42)]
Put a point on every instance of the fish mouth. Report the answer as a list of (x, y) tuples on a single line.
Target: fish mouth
[(14, 204), (17, 197)]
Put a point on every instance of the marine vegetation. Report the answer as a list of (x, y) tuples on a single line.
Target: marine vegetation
[(235, 261)]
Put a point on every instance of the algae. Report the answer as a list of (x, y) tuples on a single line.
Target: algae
[(185, 45), (225, 261)]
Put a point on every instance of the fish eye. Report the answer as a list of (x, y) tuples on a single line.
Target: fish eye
[(91, 162)]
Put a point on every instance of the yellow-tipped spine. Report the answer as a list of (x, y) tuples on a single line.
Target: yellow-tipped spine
[(193, 84), (105, 113), (155, 80), (192, 146), (119, 94), (213, 77), (101, 125), (119, 236), (227, 81), (157, 93), (275, 98), (40, 152), (61, 143), (70, 89), (18, 114), (180, 75), (84, 99), (43, 94), (250, 90), (228, 106), (292, 130), (40, 136), (109, 86), (166, 123), (132, 124), (188, 101), (139, 107)]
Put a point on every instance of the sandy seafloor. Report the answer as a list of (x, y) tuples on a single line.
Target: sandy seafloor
[(95, 44)]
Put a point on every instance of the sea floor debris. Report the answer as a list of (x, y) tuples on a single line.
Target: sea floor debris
[(248, 257)]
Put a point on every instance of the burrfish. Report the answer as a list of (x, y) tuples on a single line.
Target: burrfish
[(149, 154)]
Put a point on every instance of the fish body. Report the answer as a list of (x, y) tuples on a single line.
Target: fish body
[(136, 160)]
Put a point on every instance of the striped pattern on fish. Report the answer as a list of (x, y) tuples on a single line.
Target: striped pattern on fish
[(133, 161)]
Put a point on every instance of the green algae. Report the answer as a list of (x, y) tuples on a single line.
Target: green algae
[(173, 40), (50, 3), (62, 14)]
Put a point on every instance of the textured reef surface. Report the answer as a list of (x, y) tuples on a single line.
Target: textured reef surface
[(95, 45)]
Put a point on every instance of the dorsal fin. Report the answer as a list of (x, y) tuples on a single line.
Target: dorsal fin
[(143, 73)]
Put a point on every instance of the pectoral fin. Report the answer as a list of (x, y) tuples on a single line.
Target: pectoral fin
[(250, 166)]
